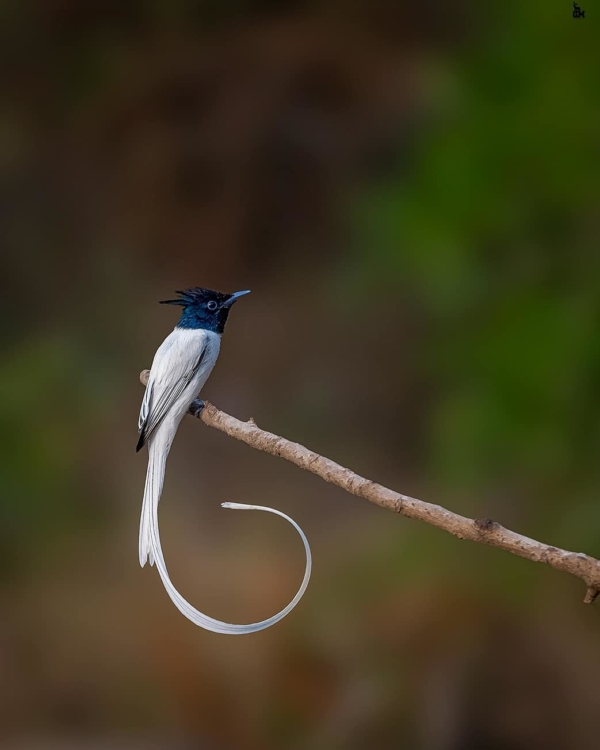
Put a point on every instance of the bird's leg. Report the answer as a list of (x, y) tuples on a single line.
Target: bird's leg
[(196, 407)]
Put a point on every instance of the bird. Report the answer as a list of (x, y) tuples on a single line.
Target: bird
[(180, 368)]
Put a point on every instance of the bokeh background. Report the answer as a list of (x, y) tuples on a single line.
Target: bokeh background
[(411, 191)]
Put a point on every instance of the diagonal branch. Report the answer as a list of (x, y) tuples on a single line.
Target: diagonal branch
[(481, 530)]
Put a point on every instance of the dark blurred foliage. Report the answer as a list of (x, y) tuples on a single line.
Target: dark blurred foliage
[(411, 192)]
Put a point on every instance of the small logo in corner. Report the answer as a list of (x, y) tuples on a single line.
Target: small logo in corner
[(577, 12)]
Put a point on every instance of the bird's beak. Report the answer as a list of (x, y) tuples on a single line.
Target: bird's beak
[(235, 296)]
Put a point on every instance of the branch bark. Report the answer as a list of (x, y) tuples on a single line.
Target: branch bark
[(482, 530)]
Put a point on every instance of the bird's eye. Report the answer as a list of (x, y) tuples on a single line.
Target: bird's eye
[(212, 305)]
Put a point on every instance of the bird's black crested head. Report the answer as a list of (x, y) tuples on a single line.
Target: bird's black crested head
[(204, 308)]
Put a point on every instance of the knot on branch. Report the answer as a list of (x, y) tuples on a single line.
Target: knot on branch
[(485, 524), (547, 554)]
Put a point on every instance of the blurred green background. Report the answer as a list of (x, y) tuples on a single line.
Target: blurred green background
[(411, 191)]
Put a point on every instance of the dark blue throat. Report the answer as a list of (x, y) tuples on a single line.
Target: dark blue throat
[(198, 317)]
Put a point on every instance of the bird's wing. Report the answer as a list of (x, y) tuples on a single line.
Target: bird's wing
[(175, 365)]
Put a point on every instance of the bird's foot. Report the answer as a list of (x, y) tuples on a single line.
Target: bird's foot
[(196, 407)]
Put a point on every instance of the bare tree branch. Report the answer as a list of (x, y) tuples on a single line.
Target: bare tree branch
[(482, 530)]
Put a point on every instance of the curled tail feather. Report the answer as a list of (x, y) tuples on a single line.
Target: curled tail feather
[(150, 549)]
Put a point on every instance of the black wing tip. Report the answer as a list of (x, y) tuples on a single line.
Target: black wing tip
[(140, 443)]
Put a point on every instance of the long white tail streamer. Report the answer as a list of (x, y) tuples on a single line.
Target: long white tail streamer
[(150, 543)]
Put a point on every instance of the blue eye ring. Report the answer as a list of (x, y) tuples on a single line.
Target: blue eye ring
[(212, 305)]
